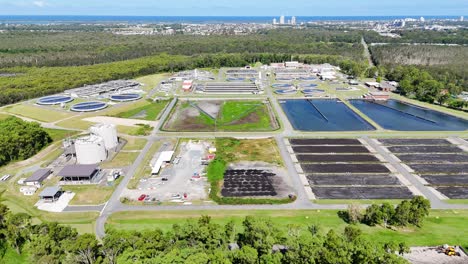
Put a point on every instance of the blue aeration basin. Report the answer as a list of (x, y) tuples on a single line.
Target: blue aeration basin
[(54, 100), (88, 107), (401, 116), (286, 91), (125, 97), (323, 115)]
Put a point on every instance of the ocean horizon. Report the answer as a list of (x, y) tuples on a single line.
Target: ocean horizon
[(63, 19)]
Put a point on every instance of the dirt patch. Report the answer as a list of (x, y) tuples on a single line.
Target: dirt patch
[(251, 118), (199, 116), (210, 107), (431, 255)]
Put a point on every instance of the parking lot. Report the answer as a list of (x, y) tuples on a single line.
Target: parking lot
[(180, 182)]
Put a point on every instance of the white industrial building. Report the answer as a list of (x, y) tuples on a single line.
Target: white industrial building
[(93, 148), (164, 157), (90, 150), (108, 132)]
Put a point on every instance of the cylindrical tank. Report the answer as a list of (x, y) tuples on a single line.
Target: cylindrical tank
[(108, 132), (90, 150)]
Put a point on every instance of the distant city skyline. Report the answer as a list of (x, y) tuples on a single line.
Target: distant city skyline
[(236, 8)]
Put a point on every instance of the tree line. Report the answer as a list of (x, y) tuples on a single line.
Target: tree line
[(458, 36), (69, 48), (412, 212), (258, 240), (20, 140), (421, 85), (32, 82)]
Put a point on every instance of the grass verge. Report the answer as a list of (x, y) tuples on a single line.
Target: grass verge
[(38, 113), (441, 227)]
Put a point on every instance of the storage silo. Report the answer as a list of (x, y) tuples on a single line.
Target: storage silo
[(90, 150), (108, 132)]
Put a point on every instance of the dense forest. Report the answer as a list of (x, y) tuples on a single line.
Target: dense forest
[(20, 140), (445, 64), (427, 55), (31, 82), (459, 36), (23, 48), (257, 240)]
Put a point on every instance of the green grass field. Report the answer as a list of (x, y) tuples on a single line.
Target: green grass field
[(59, 134), (144, 170), (4, 116), (338, 201), (145, 111), (441, 227), (89, 194), (122, 159), (151, 81), (37, 113), (134, 144), (233, 116)]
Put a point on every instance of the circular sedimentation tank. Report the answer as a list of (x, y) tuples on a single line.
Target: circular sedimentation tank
[(54, 100), (312, 91), (125, 97), (89, 106), (308, 85), (282, 85), (307, 78), (285, 91)]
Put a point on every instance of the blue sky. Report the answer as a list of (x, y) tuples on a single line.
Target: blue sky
[(234, 7)]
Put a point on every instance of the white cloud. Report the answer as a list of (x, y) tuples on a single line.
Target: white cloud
[(39, 3)]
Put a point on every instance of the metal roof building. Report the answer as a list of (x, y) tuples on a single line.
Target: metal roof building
[(165, 156), (79, 172), (38, 177), (51, 194)]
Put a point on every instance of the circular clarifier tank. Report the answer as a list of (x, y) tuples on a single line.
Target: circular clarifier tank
[(281, 85), (88, 107), (125, 97), (308, 85), (307, 78), (54, 100), (285, 91), (312, 91)]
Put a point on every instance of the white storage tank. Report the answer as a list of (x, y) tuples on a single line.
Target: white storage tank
[(90, 150), (108, 132)]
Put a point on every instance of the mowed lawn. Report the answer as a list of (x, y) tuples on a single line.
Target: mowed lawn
[(122, 159), (244, 116), (37, 113), (134, 144), (59, 134), (4, 116), (143, 110), (89, 194), (237, 150), (151, 81), (441, 227)]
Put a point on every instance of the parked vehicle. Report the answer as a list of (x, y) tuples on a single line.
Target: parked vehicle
[(142, 197)]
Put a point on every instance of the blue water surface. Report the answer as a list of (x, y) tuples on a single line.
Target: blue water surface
[(397, 115), (323, 115)]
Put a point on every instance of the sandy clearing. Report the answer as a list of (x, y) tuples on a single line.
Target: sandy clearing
[(120, 121)]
